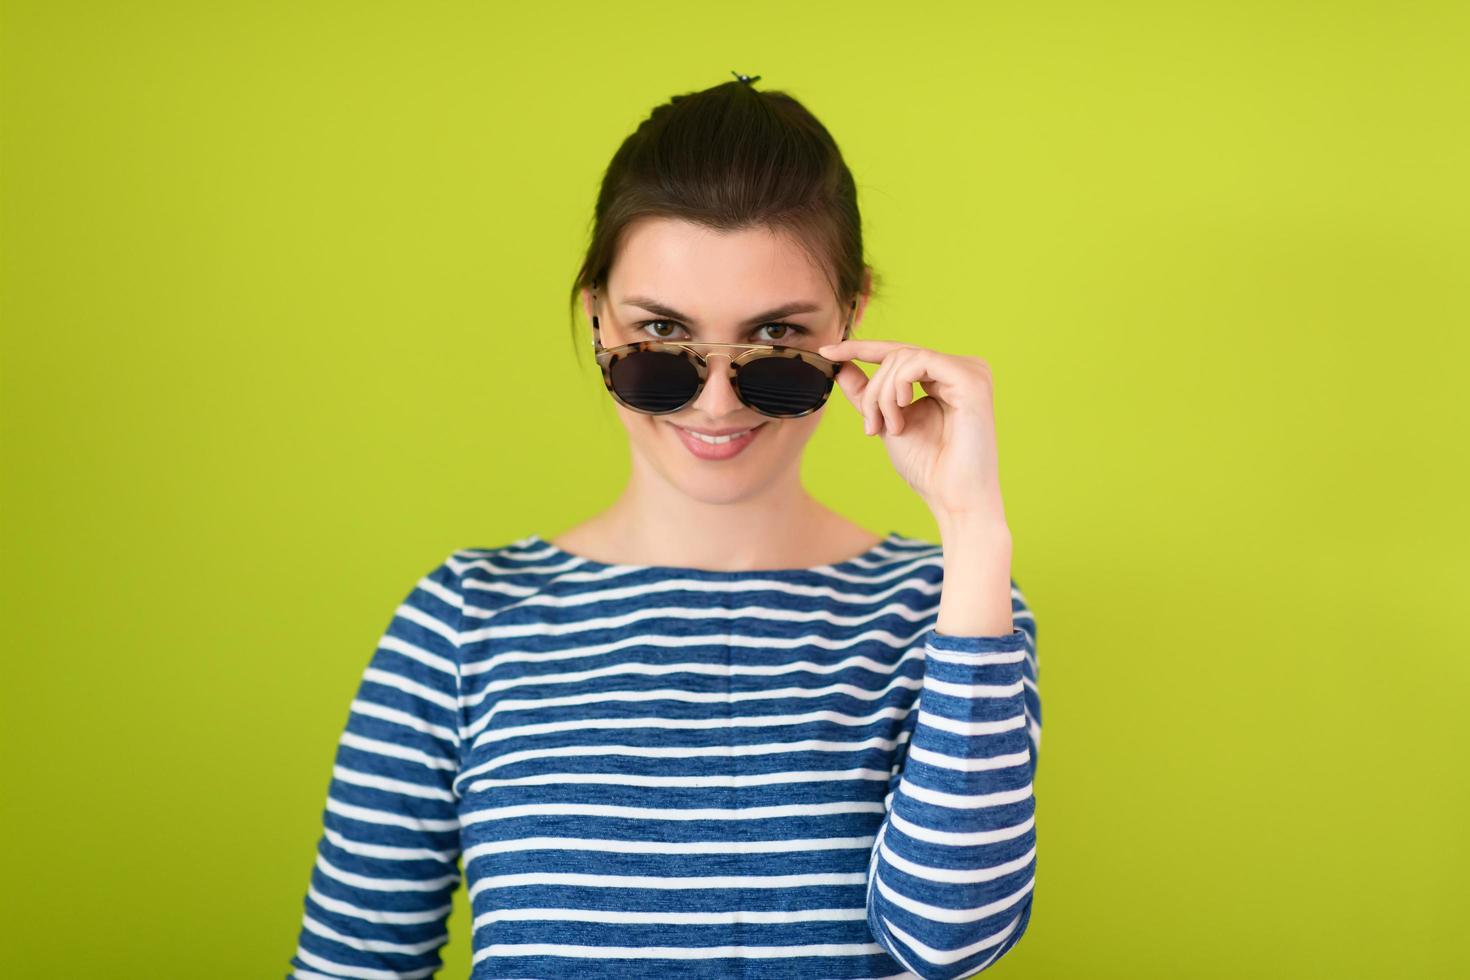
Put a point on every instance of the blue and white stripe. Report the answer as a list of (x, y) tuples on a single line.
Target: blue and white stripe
[(639, 769)]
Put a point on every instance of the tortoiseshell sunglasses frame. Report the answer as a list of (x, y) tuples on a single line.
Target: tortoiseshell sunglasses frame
[(694, 352)]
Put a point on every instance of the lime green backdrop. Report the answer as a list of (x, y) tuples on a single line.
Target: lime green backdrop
[(284, 323)]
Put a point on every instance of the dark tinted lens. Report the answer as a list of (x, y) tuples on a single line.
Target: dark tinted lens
[(783, 385), (654, 381)]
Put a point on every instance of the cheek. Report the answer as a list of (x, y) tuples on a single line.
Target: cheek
[(648, 430), (635, 422), (796, 432)]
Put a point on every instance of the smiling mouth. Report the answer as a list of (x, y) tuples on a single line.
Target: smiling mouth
[(721, 447), (720, 440)]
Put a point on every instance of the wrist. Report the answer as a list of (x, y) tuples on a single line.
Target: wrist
[(975, 599), (973, 527)]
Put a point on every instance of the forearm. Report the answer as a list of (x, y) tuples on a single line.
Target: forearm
[(976, 596), (954, 861)]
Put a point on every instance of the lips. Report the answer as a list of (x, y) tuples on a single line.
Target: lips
[(717, 451), (719, 432)]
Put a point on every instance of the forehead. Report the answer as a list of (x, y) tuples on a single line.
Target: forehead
[(693, 267)]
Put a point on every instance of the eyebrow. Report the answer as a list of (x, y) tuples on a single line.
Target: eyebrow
[(659, 309)]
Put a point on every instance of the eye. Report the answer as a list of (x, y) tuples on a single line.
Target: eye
[(656, 335), (790, 331)]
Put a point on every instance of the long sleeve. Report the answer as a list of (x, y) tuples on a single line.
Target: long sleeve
[(954, 862), (387, 862)]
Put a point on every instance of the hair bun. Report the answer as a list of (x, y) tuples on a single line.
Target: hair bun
[(747, 79)]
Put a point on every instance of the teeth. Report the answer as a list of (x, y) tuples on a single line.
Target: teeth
[(716, 440)]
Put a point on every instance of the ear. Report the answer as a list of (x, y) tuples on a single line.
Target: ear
[(861, 300)]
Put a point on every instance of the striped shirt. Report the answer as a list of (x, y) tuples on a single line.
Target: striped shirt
[(644, 769)]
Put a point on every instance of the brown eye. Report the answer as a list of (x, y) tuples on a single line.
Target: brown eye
[(790, 332), (659, 336), (787, 331)]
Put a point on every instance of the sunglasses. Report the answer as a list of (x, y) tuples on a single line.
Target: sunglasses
[(658, 377)]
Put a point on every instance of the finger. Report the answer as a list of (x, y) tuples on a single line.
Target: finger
[(852, 380), (905, 384), (875, 412), (954, 379), (888, 396), (872, 414), (863, 350)]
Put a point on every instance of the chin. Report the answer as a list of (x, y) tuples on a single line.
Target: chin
[(711, 481)]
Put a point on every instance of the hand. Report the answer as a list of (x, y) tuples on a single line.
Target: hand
[(943, 445)]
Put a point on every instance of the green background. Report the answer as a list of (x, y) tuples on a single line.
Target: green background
[(285, 322)]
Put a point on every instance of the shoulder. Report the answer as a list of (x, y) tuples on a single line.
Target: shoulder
[(486, 577), (489, 579)]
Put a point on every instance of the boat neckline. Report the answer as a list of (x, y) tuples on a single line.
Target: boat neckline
[(859, 562)]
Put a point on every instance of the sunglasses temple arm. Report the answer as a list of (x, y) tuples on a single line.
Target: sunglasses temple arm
[(596, 328)]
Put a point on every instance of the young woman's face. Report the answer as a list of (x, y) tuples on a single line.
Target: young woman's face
[(717, 283)]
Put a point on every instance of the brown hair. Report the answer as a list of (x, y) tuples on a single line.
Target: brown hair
[(731, 157)]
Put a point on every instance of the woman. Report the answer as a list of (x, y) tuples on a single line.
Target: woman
[(686, 734)]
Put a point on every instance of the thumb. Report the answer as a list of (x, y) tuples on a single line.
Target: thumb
[(852, 381)]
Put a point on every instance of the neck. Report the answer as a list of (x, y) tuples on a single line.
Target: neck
[(654, 522)]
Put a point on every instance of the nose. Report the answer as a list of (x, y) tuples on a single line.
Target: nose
[(718, 399)]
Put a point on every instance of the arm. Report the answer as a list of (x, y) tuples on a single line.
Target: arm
[(387, 861), (954, 862)]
